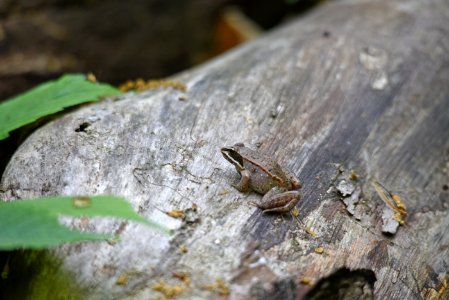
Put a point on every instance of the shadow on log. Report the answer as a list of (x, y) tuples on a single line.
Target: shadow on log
[(353, 93)]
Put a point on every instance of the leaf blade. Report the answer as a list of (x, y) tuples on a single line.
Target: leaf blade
[(49, 98), (34, 223)]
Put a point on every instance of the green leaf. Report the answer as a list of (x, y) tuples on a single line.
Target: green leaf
[(49, 98), (34, 223)]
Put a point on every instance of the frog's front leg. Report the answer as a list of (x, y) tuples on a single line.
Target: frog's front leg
[(243, 184), (278, 200)]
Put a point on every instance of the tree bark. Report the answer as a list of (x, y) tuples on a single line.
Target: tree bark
[(353, 93)]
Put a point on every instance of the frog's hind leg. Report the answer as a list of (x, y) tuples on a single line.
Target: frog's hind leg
[(243, 184), (283, 209), (279, 201)]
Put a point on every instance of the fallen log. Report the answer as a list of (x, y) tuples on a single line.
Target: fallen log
[(353, 98)]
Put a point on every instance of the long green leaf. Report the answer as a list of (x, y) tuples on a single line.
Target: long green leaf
[(49, 98), (34, 223)]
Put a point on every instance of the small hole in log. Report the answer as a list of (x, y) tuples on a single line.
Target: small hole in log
[(445, 187), (83, 126), (326, 33), (345, 283)]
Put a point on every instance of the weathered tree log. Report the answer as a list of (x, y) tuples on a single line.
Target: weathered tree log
[(354, 85)]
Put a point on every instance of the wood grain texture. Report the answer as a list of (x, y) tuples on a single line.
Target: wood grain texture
[(363, 84)]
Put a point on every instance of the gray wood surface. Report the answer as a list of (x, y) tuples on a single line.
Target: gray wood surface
[(354, 85)]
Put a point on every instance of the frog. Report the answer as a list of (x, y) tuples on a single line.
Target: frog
[(263, 175)]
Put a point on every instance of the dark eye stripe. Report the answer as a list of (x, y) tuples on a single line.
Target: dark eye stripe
[(236, 162), (232, 159)]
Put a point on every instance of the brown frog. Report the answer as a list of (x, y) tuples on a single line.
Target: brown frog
[(264, 176)]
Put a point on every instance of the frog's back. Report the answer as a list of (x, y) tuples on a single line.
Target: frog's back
[(265, 172), (254, 158)]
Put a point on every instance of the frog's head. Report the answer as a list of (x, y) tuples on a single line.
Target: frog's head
[(232, 154)]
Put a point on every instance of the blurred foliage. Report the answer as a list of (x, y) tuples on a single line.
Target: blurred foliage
[(35, 223), (49, 98)]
